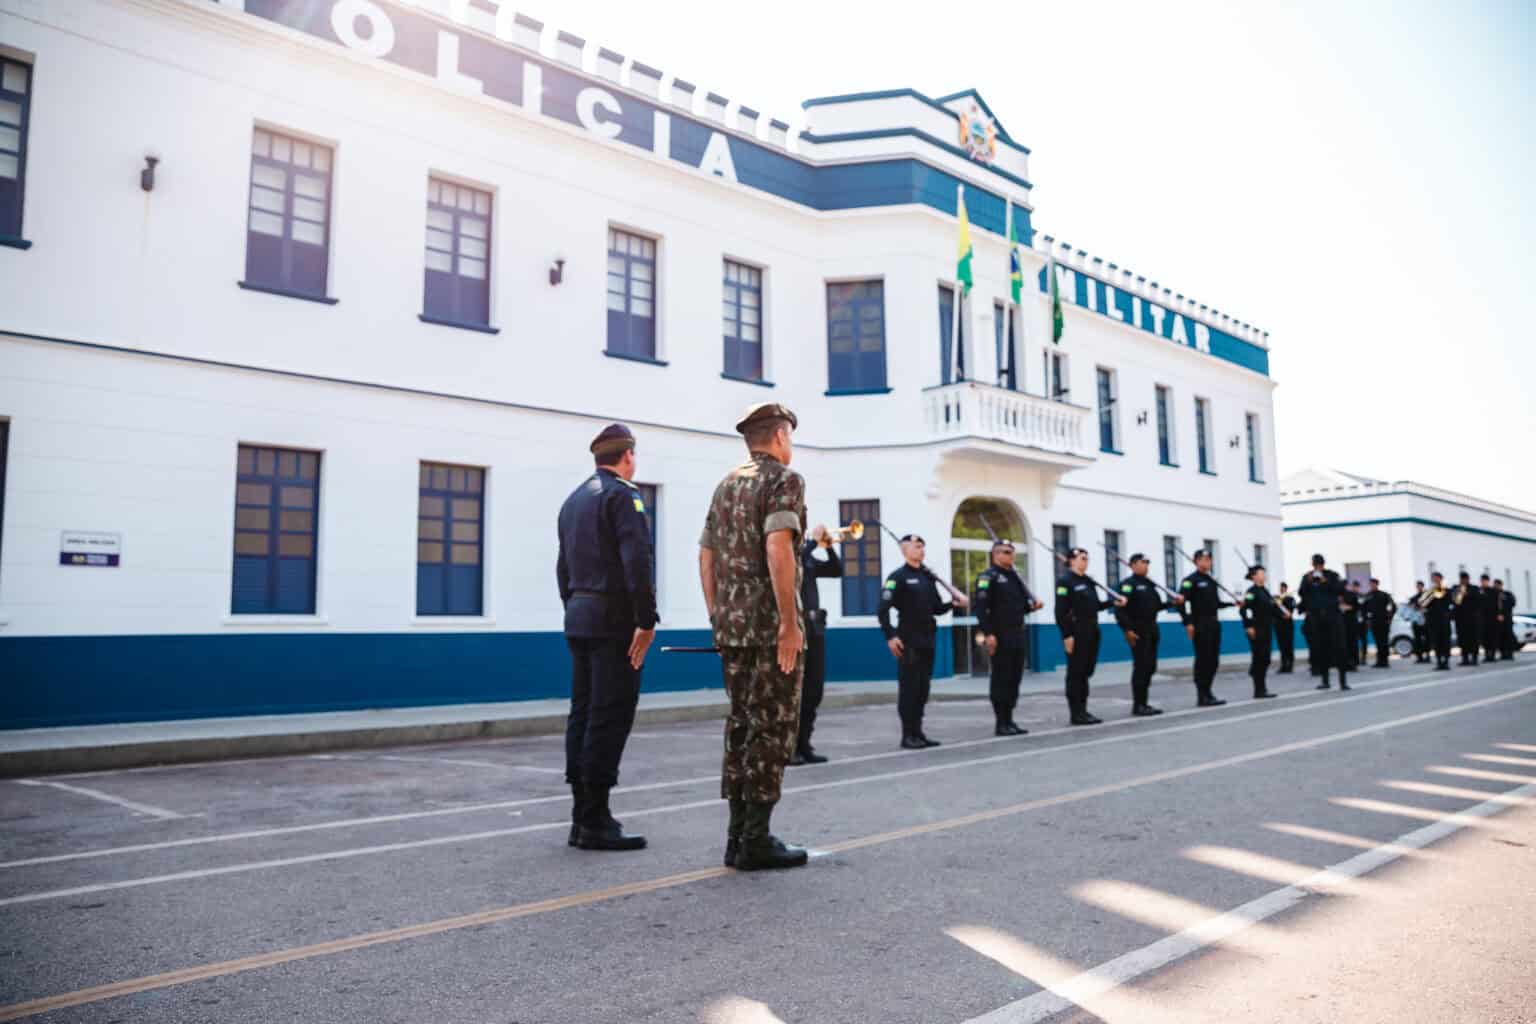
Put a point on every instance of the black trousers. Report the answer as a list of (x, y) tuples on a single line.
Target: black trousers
[(1420, 642), (1306, 631), (1258, 667), (1207, 654), (1510, 643), (814, 684), (1440, 638), (1285, 639), (1381, 634), (913, 680), (604, 692), (1493, 639), (1007, 673), (1469, 635), (1328, 646), (1080, 665), (1351, 640), (1143, 663)]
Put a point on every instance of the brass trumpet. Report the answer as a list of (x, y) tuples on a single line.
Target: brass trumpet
[(843, 534)]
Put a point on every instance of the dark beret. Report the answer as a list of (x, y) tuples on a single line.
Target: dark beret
[(615, 438), (1318, 559), (912, 536), (1201, 553), (762, 412), (1137, 557), (1253, 570)]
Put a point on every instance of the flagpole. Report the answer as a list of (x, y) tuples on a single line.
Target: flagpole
[(1002, 374), (954, 326)]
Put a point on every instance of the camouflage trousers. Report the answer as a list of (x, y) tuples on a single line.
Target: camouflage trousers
[(763, 723)]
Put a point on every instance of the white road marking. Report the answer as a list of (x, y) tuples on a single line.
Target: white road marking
[(1111, 975), (1131, 783), (1386, 689), (96, 794), (499, 766)]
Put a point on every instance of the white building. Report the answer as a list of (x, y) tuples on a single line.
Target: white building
[(1400, 532), (267, 451)]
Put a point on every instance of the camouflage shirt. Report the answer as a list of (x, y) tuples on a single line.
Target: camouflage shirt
[(755, 499)]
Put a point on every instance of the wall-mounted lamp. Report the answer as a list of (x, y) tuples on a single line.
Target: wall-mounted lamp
[(1141, 418), (147, 175), (557, 272), (1234, 441)]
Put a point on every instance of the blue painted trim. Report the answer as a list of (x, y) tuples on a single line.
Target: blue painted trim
[(1111, 451), (287, 294), (747, 380), (713, 97), (688, 87), (1416, 520), (747, 112), (1170, 465), (780, 125), (636, 67), (635, 359), (482, 328), (1511, 514), (1209, 472), (604, 53), (574, 40), (843, 393), (527, 22), (917, 133), (937, 104), (14, 242)]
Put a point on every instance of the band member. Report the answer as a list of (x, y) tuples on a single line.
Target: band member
[(1493, 626), (749, 568), (1259, 612), (1354, 635), (603, 569), (818, 561), (1438, 607), (1415, 615), (1380, 610), (1506, 605), (1002, 602), (1138, 621), (1200, 610), (1285, 629), (913, 592), (1077, 616), (1321, 593), (1468, 604)]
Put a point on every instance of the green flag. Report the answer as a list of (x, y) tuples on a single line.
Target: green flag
[(1015, 267), (1057, 321)]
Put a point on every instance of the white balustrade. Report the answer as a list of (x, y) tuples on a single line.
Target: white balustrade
[(969, 409)]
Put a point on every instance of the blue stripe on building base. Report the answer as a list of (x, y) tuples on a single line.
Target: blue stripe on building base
[(90, 680)]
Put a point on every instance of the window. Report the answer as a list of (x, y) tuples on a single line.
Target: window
[(743, 325), (1171, 560), (1004, 320), (1203, 433), (1165, 449), (1358, 572), (1215, 549), (631, 295), (458, 258), (648, 494), (15, 105), (951, 362), (1062, 540), (1109, 413), (1056, 378), (856, 336), (1114, 541), (861, 558), (277, 508), (450, 542), (287, 233), (1255, 460), (1261, 555)]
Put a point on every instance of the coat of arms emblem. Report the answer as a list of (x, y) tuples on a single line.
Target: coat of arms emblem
[(978, 134)]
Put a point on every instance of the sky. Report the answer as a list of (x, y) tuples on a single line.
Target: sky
[(1355, 178)]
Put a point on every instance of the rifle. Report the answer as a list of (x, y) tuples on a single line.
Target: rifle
[(1114, 597), (1150, 580), (941, 581), (1214, 580), (1249, 566)]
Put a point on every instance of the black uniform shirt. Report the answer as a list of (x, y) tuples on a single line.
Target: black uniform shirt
[(811, 570), (1201, 598), (1379, 607), (914, 594), (1142, 603), (1471, 607), (1438, 608), (1349, 604), (1078, 605), (604, 563), (1507, 605), (1002, 601), (1258, 609), (1289, 604), (1320, 596)]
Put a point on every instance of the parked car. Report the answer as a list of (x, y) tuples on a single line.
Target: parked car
[(1525, 630), (1402, 634)]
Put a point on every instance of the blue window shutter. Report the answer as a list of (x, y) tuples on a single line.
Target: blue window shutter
[(450, 540), (277, 516)]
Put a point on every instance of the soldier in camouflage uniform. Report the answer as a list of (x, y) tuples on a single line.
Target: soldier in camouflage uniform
[(749, 566)]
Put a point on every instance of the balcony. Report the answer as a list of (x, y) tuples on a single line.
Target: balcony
[(1010, 424)]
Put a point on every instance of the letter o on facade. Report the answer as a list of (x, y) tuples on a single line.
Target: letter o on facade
[(381, 31), (588, 101)]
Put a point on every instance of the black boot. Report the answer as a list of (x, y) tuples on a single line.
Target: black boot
[(1007, 727), (808, 755), (733, 831), (1343, 683), (760, 849), (913, 743), (1324, 685), (1080, 716), (578, 810), (598, 829), (1145, 711)]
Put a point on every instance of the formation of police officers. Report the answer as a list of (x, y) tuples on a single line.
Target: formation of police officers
[(758, 569)]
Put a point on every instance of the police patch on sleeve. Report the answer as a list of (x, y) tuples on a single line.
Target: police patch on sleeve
[(1184, 585), (639, 505), (890, 584), (1125, 588), (1061, 591), (983, 584)]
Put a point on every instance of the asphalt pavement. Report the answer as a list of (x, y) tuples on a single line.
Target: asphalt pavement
[(1328, 856)]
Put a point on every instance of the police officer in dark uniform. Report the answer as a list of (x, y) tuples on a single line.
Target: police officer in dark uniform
[(1420, 630), (913, 592), (1285, 630), (1259, 612), (1504, 601), (1493, 627), (1468, 603), (1138, 621), (1437, 620), (604, 573), (1380, 610), (1322, 594), (1002, 601), (1200, 610), (829, 566), (1354, 634), (1077, 616)]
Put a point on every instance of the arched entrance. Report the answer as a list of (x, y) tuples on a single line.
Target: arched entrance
[(970, 546)]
